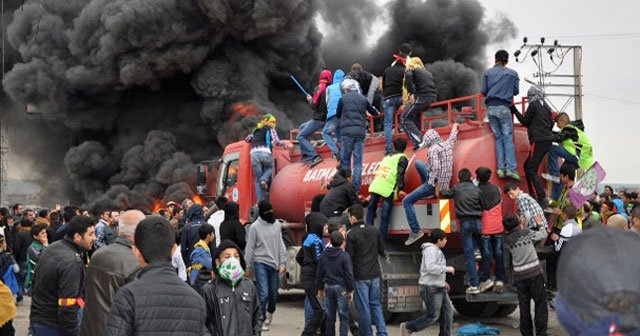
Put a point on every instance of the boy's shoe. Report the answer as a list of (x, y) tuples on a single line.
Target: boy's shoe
[(473, 290), (500, 173), (549, 177), (499, 287), (314, 161), (268, 319), (413, 237), (265, 328), (264, 186), (485, 285), (477, 255), (403, 329), (419, 146), (513, 174)]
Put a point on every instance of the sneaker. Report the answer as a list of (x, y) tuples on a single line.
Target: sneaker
[(419, 146), (263, 185), (477, 255), (314, 161), (549, 177), (268, 319), (513, 174), (413, 237), (473, 290), (499, 287), (265, 328), (403, 329), (485, 285), (305, 159), (501, 173)]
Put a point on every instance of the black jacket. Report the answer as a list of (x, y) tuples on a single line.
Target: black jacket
[(392, 80), (335, 268), (320, 109), (60, 275), (312, 247), (231, 228), (467, 199), (363, 78), (352, 109), (156, 303), (232, 311), (190, 235), (569, 133), (111, 268), (364, 244), (490, 195), (341, 195), (538, 121), (420, 82), (23, 240)]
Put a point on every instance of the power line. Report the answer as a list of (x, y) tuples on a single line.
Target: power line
[(597, 35), (613, 99)]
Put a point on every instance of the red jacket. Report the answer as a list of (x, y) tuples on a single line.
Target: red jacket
[(492, 220)]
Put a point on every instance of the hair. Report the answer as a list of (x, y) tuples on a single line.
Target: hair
[(344, 172), (502, 56), (54, 216), (405, 48), (483, 174), (436, 235), (43, 213), (80, 225), (610, 187), (570, 211), (205, 230), (26, 211), (564, 117), (400, 144), (36, 229), (595, 206), (221, 201), (68, 213), (334, 224), (509, 186), (510, 221), (569, 170), (356, 211), (635, 211), (356, 67), (464, 174), (4, 211), (26, 223), (176, 211), (154, 237), (16, 206), (162, 212), (336, 239)]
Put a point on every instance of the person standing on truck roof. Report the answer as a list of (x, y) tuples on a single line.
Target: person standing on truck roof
[(422, 92), (388, 184), (392, 83), (499, 85), (334, 93), (352, 112), (538, 119), (435, 176), (262, 139), (319, 105)]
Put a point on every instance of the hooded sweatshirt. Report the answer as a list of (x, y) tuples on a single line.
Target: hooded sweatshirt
[(190, 233), (340, 196), (312, 247), (265, 244), (231, 228), (440, 158), (537, 119), (334, 268), (433, 268), (334, 93)]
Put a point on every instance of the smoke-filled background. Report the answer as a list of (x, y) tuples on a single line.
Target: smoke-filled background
[(130, 94)]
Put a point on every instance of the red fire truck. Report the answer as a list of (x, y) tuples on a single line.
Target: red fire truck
[(294, 185)]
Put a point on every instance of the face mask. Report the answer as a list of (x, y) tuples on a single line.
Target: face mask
[(475, 182), (231, 269)]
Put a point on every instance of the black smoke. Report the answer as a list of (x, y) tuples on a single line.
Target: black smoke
[(129, 94)]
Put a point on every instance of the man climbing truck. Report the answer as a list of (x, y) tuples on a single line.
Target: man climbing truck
[(295, 184)]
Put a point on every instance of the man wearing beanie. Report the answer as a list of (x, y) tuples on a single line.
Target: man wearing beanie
[(266, 255)]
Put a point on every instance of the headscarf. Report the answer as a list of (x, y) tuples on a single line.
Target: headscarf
[(535, 93), (400, 58), (267, 120), (415, 63), (325, 79)]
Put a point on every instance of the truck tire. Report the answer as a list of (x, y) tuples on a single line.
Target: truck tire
[(476, 309), (383, 301), (505, 310)]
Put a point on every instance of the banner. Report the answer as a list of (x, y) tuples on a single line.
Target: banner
[(586, 185)]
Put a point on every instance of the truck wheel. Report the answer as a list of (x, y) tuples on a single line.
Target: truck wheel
[(475, 309), (505, 310), (384, 303)]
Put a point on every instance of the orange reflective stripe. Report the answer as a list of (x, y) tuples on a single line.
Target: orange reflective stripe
[(445, 216)]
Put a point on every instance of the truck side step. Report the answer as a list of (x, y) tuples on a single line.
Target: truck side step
[(503, 298)]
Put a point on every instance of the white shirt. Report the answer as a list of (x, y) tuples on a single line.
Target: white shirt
[(216, 219), (178, 263)]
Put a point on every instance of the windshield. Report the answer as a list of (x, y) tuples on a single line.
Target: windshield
[(228, 174)]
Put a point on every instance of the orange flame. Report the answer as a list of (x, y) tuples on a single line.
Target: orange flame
[(197, 199), (243, 110), (157, 206)]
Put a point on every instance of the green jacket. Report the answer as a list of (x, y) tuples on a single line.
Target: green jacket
[(575, 141)]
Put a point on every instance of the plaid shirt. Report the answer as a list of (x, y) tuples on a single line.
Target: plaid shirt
[(441, 162), (529, 209)]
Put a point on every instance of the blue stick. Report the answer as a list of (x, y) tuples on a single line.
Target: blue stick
[(299, 85)]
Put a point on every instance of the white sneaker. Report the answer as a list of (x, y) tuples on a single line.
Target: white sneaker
[(413, 237), (477, 255), (265, 328), (499, 287), (473, 290), (268, 319), (549, 177), (485, 285)]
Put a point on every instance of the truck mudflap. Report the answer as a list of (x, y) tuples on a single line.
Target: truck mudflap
[(400, 292)]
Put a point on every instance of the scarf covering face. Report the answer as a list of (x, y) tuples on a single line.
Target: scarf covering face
[(535, 93), (325, 79), (231, 269)]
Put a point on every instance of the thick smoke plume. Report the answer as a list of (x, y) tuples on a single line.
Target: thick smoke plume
[(132, 92)]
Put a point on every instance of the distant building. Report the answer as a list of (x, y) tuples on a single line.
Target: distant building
[(20, 191)]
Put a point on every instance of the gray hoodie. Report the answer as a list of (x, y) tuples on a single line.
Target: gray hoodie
[(265, 244), (434, 266)]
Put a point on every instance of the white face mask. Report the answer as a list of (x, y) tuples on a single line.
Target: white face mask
[(475, 182)]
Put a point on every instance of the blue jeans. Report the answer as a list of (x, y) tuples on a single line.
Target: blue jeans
[(553, 166), (368, 305), (307, 128), (336, 297), (390, 105), (262, 164), (495, 241), (470, 231), (332, 125), (424, 190), (502, 126), (385, 213), (41, 329), (267, 283), (308, 311), (439, 308), (353, 146)]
